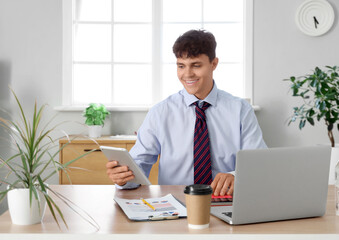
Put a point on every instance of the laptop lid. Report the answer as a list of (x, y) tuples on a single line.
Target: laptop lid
[(279, 183)]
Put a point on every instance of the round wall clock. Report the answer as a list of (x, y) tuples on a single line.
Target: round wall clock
[(314, 17)]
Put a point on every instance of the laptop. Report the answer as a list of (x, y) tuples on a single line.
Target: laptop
[(278, 184)]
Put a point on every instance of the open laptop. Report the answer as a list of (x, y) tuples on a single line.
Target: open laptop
[(278, 184)]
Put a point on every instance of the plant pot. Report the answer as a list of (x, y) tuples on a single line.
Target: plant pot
[(334, 161), (21, 212), (94, 131)]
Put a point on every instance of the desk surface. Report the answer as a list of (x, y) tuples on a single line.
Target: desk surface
[(98, 201)]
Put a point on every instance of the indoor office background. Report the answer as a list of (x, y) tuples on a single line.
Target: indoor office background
[(31, 62)]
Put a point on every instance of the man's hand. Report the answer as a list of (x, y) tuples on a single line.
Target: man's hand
[(118, 174), (223, 184)]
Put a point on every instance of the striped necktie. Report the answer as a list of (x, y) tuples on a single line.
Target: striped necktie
[(202, 155)]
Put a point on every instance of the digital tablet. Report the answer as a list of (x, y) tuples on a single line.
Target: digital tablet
[(125, 159)]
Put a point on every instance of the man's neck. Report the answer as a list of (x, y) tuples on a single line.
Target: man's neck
[(204, 95)]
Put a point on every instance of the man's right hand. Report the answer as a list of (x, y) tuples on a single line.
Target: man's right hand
[(118, 174)]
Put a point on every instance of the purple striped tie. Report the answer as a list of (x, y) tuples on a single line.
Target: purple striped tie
[(202, 155)]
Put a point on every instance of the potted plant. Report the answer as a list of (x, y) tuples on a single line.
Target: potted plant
[(320, 94), (34, 162), (95, 117)]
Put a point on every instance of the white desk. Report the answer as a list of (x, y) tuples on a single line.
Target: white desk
[(98, 201)]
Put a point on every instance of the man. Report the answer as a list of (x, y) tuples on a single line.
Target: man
[(197, 131)]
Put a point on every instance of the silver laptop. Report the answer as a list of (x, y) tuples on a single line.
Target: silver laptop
[(278, 184)]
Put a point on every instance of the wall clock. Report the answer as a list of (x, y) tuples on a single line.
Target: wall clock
[(314, 17)]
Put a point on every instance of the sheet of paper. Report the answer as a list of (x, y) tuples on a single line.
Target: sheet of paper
[(124, 137), (135, 209)]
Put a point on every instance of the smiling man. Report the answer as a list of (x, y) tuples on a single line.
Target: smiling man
[(195, 74), (197, 131)]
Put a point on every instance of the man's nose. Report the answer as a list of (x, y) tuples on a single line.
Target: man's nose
[(188, 72)]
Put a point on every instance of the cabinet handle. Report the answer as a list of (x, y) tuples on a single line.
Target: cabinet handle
[(88, 150)]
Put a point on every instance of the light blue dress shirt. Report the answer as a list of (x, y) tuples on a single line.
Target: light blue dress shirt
[(168, 131)]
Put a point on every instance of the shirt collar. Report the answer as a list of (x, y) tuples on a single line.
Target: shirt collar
[(211, 97)]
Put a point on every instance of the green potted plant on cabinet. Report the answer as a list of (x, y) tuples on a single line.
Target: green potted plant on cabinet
[(320, 94), (34, 162), (95, 118)]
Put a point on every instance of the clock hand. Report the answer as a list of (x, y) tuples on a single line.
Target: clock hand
[(315, 22)]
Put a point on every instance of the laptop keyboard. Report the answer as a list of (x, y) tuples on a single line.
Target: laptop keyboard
[(228, 214)]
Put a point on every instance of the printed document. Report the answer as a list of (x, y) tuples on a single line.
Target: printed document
[(167, 207)]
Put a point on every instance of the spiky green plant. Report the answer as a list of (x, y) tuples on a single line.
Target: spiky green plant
[(36, 160)]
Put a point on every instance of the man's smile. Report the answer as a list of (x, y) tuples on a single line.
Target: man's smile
[(191, 82)]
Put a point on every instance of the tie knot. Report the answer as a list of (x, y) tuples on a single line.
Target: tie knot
[(200, 112), (205, 105)]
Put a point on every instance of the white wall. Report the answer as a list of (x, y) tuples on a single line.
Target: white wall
[(30, 61), (281, 51)]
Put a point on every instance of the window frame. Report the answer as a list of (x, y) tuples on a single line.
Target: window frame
[(67, 56)]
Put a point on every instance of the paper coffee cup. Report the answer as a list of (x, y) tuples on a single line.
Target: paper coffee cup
[(198, 204)]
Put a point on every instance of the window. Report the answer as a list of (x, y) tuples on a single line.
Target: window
[(119, 52)]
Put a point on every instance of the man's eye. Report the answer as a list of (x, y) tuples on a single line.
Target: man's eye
[(197, 66), (180, 66)]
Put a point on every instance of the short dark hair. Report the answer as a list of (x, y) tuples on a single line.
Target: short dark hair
[(194, 43)]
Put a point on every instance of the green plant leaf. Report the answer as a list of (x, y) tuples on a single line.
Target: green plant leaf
[(311, 112), (322, 106), (311, 121), (302, 124), (313, 83), (74, 207)]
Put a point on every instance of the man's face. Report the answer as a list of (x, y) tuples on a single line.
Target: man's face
[(196, 74)]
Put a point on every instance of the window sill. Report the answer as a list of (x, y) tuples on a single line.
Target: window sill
[(119, 108), (256, 108)]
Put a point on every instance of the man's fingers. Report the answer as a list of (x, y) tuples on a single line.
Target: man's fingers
[(225, 187), (119, 169), (112, 164), (121, 178), (118, 174), (217, 184), (223, 184), (218, 187), (230, 191), (115, 170), (123, 181), (214, 183), (123, 175)]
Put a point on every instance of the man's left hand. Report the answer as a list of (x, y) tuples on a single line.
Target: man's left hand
[(223, 184)]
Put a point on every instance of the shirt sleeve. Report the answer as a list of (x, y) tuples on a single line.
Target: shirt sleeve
[(251, 135), (147, 147)]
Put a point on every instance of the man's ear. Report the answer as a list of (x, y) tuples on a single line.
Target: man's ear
[(215, 62)]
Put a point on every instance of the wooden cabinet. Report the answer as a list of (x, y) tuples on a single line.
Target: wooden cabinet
[(91, 169)]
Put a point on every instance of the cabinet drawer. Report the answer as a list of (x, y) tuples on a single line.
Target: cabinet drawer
[(90, 169), (129, 146)]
